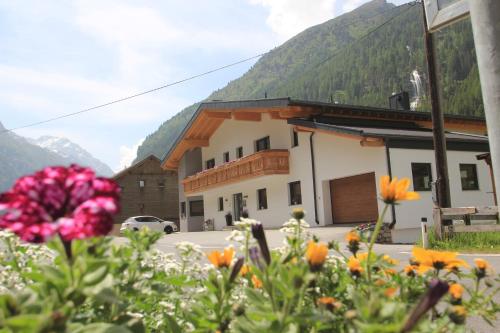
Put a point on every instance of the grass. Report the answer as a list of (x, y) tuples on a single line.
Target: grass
[(467, 242)]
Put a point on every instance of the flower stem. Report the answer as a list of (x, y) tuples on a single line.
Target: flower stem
[(378, 226)]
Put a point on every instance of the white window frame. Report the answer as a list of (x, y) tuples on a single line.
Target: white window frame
[(439, 18)]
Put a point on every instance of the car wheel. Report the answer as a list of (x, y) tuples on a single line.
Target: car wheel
[(168, 229), (136, 229)]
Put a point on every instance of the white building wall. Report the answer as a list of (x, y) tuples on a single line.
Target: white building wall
[(235, 133), (409, 214), (239, 133), (338, 157)]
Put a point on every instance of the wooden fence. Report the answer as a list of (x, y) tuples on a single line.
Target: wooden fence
[(467, 214)]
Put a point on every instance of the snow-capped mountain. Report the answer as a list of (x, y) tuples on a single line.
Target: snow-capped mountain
[(72, 152)]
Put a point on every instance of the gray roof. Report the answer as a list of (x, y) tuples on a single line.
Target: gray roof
[(388, 132)]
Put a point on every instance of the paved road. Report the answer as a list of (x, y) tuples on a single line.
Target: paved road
[(216, 240)]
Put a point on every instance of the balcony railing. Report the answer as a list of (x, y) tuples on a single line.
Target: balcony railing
[(267, 162)]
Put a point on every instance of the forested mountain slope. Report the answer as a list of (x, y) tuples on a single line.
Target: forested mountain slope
[(333, 61)]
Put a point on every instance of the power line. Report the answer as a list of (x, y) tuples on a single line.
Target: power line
[(133, 96), (411, 4)]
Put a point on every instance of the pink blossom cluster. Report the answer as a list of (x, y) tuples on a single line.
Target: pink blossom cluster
[(69, 201)]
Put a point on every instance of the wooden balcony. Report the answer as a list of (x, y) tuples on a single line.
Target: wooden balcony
[(267, 162)]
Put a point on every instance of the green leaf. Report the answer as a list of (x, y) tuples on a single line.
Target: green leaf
[(96, 276), (172, 324), (28, 323)]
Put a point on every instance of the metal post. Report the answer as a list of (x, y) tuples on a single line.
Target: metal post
[(485, 21), (442, 181), (425, 236)]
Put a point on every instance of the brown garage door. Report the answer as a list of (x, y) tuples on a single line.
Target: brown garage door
[(354, 199)]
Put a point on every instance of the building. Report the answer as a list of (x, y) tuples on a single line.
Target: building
[(269, 156), (147, 189)]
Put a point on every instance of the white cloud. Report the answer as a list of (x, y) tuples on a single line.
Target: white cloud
[(289, 17), (128, 154)]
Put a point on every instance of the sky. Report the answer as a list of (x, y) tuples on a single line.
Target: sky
[(58, 57)]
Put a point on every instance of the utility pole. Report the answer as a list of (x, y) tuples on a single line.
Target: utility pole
[(485, 19), (442, 181)]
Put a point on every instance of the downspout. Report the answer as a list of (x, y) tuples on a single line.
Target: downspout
[(313, 167), (389, 171)]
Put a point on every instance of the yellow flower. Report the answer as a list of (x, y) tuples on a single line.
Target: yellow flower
[(482, 264), (457, 314), (410, 270), (456, 290), (354, 265), (390, 271), (257, 283), (390, 260), (396, 190), (245, 269), (362, 256), (389, 292), (316, 254), (329, 303), (428, 259), (326, 300), (352, 237), (221, 259)]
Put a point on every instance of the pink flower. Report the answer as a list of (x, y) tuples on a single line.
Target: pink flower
[(69, 201)]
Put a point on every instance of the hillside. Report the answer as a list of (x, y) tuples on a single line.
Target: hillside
[(323, 63), (20, 156)]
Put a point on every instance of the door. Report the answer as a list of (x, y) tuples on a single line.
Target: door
[(237, 205), (354, 199)]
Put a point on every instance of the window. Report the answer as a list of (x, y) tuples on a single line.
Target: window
[(210, 163), (226, 157), (221, 204), (295, 193), (295, 138), (262, 144), (261, 199), (196, 208), (422, 176), (183, 208), (239, 152), (147, 219), (142, 183), (468, 175)]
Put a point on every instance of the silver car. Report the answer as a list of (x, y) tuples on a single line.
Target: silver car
[(151, 222)]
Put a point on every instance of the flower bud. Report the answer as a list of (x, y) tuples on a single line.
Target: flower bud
[(298, 214), (259, 234), (238, 309)]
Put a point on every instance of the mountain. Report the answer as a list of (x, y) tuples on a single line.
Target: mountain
[(73, 152), (20, 156), (359, 58)]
